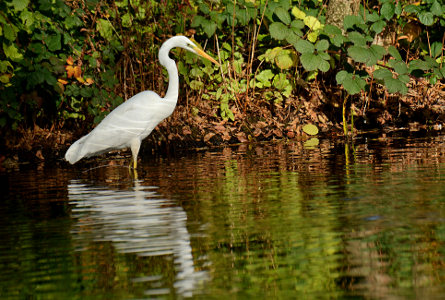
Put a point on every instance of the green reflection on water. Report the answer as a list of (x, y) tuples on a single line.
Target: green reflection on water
[(267, 222)]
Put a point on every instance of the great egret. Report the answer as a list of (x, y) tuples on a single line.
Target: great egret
[(132, 121)]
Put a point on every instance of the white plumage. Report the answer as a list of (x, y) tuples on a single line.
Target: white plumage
[(132, 121)]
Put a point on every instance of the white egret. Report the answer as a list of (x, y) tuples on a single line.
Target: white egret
[(132, 121)]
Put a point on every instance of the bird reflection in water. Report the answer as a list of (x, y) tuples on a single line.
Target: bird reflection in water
[(137, 221)]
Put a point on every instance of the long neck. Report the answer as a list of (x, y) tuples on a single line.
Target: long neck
[(170, 65)]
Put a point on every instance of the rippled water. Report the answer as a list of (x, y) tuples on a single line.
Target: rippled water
[(287, 220)]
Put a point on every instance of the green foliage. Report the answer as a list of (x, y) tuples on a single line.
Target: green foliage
[(265, 47)]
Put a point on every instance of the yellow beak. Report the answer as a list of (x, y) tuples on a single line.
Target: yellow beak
[(205, 55)]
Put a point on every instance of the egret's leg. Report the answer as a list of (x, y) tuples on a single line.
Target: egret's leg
[(135, 145)]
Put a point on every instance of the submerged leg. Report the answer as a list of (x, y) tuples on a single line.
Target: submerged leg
[(135, 145)]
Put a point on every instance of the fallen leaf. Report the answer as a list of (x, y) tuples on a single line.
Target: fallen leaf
[(208, 136), (40, 155), (241, 137), (310, 129), (70, 60)]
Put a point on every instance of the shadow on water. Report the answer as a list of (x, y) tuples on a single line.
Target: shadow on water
[(317, 220)]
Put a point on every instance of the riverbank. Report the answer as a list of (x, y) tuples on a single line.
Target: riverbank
[(421, 109)]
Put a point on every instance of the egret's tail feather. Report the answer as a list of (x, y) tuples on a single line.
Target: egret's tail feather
[(74, 152)]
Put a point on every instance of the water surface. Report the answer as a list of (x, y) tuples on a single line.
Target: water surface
[(286, 220)]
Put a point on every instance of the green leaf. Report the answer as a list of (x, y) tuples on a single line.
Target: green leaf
[(418, 65), (283, 15), (404, 78), (394, 52), (53, 42), (12, 52), (10, 32), (374, 17), (436, 8), (341, 76), (310, 61), (366, 55), (436, 49), (19, 5), (382, 74), (412, 9), (310, 129), (426, 18), (284, 59), (395, 85), (351, 20), (387, 10), (400, 67), (304, 46), (105, 29), (278, 30), (378, 26), (357, 38), (322, 45), (355, 85), (323, 65)]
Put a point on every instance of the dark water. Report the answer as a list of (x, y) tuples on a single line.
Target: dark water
[(286, 221)]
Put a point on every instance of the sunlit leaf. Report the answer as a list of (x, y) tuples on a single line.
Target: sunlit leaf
[(299, 14), (310, 129)]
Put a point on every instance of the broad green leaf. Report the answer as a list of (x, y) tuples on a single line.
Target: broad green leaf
[(53, 42), (354, 85), (426, 18), (436, 8), (341, 76), (400, 67), (413, 9), (10, 32), (310, 129), (404, 78), (284, 59), (278, 30), (382, 74), (331, 30), (378, 26), (374, 17), (105, 28), (322, 45), (323, 65), (366, 55), (209, 28), (357, 38), (19, 5), (310, 61), (395, 85), (304, 46), (299, 14), (351, 20), (127, 20), (72, 21), (12, 52), (283, 15), (436, 49), (387, 10), (394, 52)]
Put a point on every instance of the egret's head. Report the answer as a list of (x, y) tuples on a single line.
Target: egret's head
[(191, 46)]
